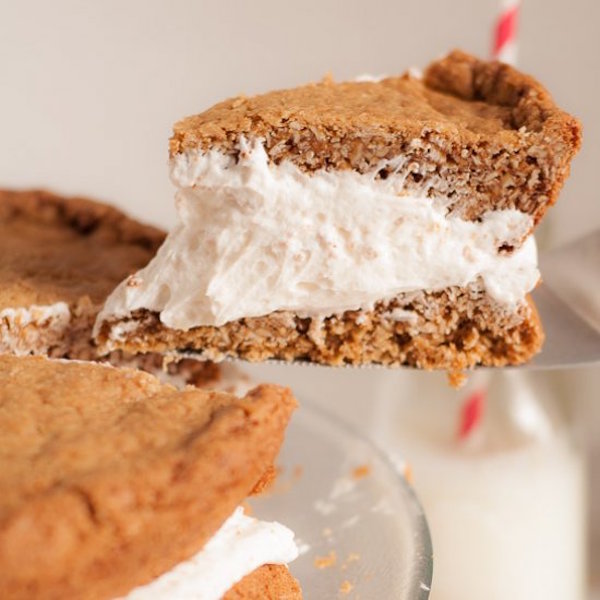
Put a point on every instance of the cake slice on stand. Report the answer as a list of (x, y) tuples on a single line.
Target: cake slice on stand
[(379, 222)]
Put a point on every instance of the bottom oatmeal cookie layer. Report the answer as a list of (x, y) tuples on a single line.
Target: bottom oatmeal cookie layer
[(455, 328)]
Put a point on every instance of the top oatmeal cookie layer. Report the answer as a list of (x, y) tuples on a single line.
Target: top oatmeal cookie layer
[(480, 134)]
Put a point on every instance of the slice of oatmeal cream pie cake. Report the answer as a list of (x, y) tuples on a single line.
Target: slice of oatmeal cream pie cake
[(360, 222)]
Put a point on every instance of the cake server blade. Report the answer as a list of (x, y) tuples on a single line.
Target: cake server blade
[(569, 305)]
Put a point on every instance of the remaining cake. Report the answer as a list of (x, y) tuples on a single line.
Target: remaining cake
[(59, 260), (360, 222), (110, 479)]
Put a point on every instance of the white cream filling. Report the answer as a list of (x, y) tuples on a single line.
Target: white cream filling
[(254, 238), (242, 545), (33, 329)]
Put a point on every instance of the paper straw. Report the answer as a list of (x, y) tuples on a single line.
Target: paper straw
[(504, 44), (504, 49), (471, 412)]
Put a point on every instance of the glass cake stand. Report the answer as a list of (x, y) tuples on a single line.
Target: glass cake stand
[(361, 531)]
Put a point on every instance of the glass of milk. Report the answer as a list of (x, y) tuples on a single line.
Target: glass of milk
[(505, 503), (505, 500)]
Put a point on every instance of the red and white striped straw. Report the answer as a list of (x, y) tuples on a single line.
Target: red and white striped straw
[(504, 49), (504, 46)]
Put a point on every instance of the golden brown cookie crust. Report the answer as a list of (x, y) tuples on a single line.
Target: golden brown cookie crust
[(110, 478), (452, 329), (481, 133), (269, 582)]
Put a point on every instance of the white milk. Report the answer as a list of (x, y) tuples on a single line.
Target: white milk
[(506, 508)]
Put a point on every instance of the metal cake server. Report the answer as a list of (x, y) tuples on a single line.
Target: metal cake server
[(568, 301)]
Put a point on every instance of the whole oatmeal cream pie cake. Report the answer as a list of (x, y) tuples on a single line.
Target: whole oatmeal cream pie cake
[(360, 222), (113, 485)]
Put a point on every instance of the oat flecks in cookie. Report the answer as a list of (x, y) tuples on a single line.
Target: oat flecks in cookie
[(101, 466), (454, 329), (483, 132)]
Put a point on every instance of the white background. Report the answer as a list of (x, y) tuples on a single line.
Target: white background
[(89, 90)]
